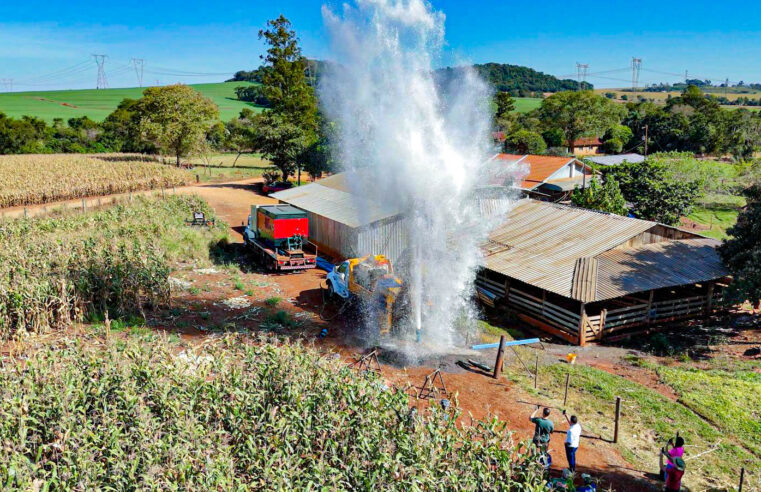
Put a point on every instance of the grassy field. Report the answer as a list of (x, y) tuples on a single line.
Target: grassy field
[(660, 97), (33, 178), (526, 104), (718, 213), (97, 104)]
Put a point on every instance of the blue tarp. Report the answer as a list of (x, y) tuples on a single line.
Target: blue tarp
[(324, 264), (507, 344)]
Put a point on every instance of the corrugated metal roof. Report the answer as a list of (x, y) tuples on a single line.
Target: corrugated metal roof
[(612, 160), (666, 264), (569, 251), (546, 239), (329, 198)]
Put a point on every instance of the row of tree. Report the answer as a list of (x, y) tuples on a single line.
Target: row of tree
[(692, 122)]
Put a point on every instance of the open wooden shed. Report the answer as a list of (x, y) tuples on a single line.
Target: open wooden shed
[(584, 275)]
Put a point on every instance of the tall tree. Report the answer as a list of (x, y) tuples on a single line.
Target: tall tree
[(283, 76), (176, 118), (580, 113), (742, 252), (291, 119), (242, 133)]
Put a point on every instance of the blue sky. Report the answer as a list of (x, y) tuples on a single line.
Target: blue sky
[(709, 39)]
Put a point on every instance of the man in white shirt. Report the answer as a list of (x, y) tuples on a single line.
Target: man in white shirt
[(572, 440)]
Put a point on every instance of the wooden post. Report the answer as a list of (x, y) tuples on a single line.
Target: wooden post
[(742, 479), (618, 417), (198, 178), (507, 289), (26, 213), (582, 326), (500, 357), (603, 315), (649, 305), (709, 299), (536, 372), (84, 206), (567, 380), (544, 297)]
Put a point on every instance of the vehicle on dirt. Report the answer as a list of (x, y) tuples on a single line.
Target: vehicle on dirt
[(371, 280), (278, 235)]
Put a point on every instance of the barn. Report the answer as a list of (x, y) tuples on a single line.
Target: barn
[(584, 275), (339, 228)]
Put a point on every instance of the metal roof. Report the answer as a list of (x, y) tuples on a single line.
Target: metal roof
[(653, 266), (612, 160), (539, 167), (562, 249), (329, 198)]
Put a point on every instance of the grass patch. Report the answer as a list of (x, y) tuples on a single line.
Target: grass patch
[(648, 420), (272, 301)]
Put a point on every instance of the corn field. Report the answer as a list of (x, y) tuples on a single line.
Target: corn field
[(32, 179), (130, 415), (57, 270)]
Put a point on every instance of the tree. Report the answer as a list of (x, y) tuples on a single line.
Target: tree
[(525, 142), (622, 133), (654, 193), (176, 118), (606, 198), (242, 133), (742, 252), (505, 104), (282, 142), (284, 83), (580, 113)]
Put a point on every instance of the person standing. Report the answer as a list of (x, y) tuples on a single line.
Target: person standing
[(572, 438), (543, 428), (674, 469)]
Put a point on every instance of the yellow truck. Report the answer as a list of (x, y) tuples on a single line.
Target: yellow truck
[(371, 280)]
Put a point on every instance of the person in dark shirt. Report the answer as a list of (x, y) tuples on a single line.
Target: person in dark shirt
[(543, 428)]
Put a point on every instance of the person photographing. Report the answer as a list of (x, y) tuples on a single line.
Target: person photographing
[(543, 428), (572, 438)]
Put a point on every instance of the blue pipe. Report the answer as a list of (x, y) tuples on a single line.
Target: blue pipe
[(507, 344)]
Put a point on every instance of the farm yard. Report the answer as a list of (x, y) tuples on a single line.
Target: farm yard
[(209, 306)]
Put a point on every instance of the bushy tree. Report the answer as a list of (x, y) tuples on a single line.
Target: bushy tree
[(525, 142), (653, 192), (505, 103), (176, 118), (282, 142), (615, 138), (580, 113), (242, 133), (606, 197), (741, 253)]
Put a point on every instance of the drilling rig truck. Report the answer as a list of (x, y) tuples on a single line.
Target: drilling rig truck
[(278, 236)]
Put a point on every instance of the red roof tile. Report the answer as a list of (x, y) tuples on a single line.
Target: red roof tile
[(541, 167)]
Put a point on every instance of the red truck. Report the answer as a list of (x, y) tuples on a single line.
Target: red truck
[(278, 235)]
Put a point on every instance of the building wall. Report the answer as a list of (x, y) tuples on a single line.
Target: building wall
[(332, 238), (585, 150), (387, 237)]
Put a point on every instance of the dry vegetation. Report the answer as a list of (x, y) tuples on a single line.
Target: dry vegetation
[(57, 270), (32, 179)]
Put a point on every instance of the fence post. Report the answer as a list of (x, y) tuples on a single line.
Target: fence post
[(198, 178), (650, 306), (742, 479), (709, 299), (618, 417), (26, 213), (500, 357), (84, 206), (582, 325), (536, 371), (567, 380)]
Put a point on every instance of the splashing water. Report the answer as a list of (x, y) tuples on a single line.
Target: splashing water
[(411, 145)]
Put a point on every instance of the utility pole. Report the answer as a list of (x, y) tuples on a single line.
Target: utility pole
[(726, 86), (636, 66), (686, 77), (100, 60), (646, 140), (581, 71), (138, 64)]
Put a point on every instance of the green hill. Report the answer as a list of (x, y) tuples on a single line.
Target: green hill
[(98, 103)]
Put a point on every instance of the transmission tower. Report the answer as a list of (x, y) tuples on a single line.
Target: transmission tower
[(581, 71), (138, 64), (8, 84), (100, 60), (636, 66)]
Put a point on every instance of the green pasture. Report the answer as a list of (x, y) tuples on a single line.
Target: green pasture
[(98, 103)]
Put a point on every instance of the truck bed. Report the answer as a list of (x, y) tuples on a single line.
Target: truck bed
[(286, 260)]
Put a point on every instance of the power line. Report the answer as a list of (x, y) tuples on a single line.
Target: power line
[(100, 60), (636, 66), (138, 63), (581, 70), (7, 84)]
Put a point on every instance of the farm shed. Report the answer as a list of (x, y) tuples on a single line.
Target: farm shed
[(547, 177), (584, 275), (337, 225)]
